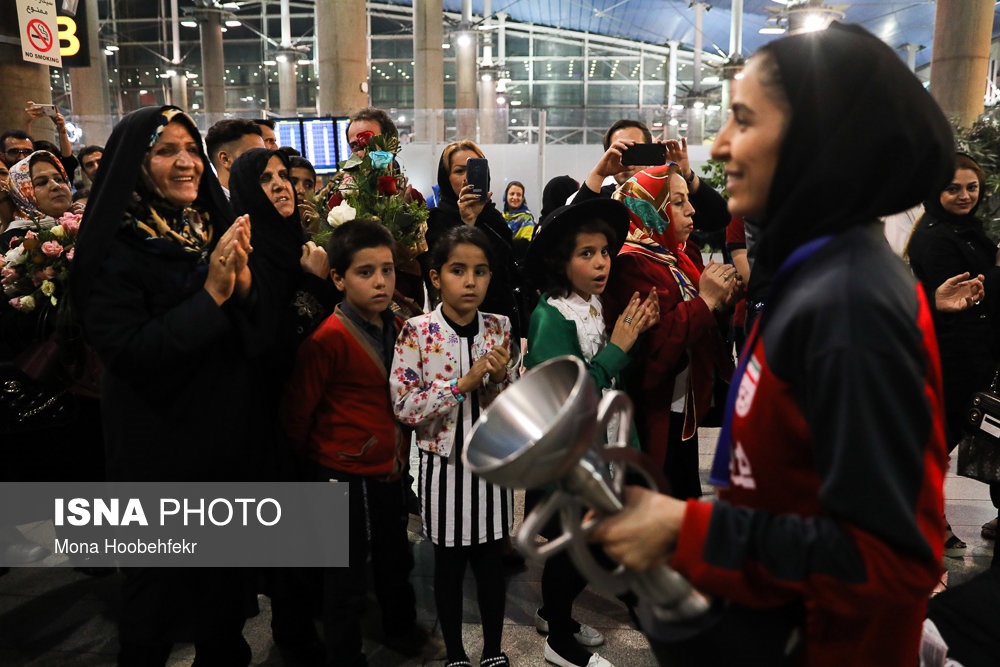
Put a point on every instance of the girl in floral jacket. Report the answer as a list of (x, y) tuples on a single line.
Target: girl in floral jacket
[(449, 365)]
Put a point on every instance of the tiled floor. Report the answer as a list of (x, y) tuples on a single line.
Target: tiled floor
[(55, 617)]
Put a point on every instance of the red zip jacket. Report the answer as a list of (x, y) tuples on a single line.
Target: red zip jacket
[(337, 410)]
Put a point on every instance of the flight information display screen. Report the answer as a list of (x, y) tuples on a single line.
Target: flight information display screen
[(322, 141)]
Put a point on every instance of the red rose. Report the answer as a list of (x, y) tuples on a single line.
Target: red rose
[(335, 199), (361, 141), (411, 194), (387, 185)]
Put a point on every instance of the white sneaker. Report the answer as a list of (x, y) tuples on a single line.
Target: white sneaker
[(585, 636), (556, 659)]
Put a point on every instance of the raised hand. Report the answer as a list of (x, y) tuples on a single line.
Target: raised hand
[(637, 317), (496, 363), (959, 292), (719, 285), (470, 205), (314, 260)]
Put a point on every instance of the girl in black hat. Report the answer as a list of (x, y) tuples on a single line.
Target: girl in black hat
[(571, 260)]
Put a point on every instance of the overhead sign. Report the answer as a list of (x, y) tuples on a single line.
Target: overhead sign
[(39, 32), (74, 47)]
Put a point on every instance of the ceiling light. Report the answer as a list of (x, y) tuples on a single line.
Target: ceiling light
[(233, 23), (814, 22), (189, 23)]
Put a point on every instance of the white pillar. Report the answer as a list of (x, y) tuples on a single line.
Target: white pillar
[(90, 85), (428, 70), (287, 60), (341, 56), (213, 79)]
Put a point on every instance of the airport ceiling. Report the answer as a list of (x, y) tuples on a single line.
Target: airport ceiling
[(897, 22)]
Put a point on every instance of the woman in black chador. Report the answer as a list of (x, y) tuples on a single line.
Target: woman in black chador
[(161, 281)]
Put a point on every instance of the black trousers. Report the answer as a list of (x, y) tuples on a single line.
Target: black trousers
[(377, 530), (164, 605), (486, 561), (681, 464)]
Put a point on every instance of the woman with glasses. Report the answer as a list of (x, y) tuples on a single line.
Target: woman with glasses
[(39, 189)]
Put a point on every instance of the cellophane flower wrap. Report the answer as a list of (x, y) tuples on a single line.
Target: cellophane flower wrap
[(34, 269), (372, 187)]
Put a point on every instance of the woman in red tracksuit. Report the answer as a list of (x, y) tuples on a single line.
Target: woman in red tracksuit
[(826, 544)]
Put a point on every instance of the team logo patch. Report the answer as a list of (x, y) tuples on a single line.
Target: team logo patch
[(740, 472), (748, 386)]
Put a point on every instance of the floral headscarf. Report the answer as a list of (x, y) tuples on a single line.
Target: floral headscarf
[(23, 192)]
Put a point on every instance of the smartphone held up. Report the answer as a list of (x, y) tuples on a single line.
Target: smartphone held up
[(477, 174), (43, 109), (645, 155)]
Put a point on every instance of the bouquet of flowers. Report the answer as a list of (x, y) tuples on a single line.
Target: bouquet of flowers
[(34, 270), (371, 187)]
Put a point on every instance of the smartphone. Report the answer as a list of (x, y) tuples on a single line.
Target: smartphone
[(477, 173), (47, 109), (645, 155)]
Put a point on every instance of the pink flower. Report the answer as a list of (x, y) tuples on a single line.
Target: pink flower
[(69, 255), (15, 302), (14, 241), (7, 272), (48, 273), (52, 248), (70, 223)]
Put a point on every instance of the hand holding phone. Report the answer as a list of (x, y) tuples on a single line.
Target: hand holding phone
[(477, 174), (38, 110), (645, 155)]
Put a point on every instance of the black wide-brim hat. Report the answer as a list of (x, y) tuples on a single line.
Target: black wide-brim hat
[(567, 220)]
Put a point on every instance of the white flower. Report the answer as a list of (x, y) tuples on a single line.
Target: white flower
[(27, 303), (57, 231), (54, 300), (48, 287), (15, 256), (341, 213)]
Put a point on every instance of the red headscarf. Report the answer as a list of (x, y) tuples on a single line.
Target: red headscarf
[(651, 230)]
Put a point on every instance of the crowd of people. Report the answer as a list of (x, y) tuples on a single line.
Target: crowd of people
[(230, 346)]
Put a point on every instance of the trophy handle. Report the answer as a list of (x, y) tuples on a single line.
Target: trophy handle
[(555, 502), (615, 404)]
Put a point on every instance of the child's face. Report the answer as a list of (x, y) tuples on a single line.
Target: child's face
[(589, 264), (463, 281), (369, 282)]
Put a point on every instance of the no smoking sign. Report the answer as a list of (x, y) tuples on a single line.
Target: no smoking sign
[(39, 35)]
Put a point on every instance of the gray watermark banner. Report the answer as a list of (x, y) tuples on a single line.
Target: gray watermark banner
[(186, 524)]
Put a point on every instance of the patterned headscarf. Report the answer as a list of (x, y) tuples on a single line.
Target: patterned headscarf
[(152, 217), (646, 195), (121, 199), (23, 192)]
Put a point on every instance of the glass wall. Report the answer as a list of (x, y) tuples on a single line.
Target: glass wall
[(582, 82)]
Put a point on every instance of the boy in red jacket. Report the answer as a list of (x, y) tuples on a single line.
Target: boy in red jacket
[(338, 416)]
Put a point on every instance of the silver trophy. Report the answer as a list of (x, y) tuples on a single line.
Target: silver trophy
[(549, 430)]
